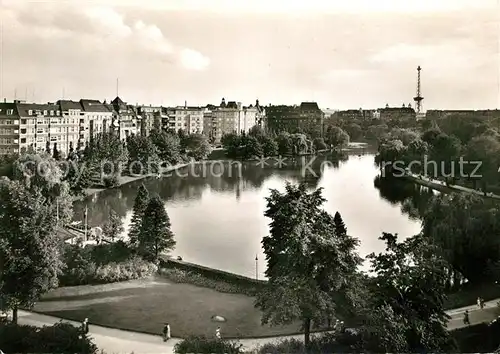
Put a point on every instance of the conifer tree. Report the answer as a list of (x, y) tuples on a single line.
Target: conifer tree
[(140, 204), (155, 235)]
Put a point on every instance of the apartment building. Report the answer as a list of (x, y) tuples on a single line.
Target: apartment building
[(232, 117), (97, 116), (307, 118), (9, 129), (150, 117), (124, 118), (187, 118)]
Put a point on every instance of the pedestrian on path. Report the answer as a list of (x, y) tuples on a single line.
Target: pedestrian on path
[(481, 303), (166, 332), (217, 333), (85, 326), (478, 302), (466, 318)]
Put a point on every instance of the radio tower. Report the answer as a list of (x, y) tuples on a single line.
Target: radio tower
[(418, 98)]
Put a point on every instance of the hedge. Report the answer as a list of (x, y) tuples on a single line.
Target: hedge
[(196, 344), (59, 338), (103, 264)]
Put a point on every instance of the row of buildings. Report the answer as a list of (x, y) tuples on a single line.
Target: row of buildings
[(67, 124)]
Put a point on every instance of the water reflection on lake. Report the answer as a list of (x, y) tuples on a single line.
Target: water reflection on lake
[(218, 219)]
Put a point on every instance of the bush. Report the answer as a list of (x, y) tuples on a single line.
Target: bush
[(59, 338), (110, 182), (107, 263), (326, 343), (319, 144), (182, 276), (205, 345)]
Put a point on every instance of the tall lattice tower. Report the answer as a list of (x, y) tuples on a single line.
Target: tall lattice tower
[(418, 98)]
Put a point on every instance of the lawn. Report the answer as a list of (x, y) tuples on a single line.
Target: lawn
[(144, 305)]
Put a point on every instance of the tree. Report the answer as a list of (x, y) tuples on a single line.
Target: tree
[(405, 311), (251, 147), (140, 204), (113, 228), (300, 250), (168, 145), (198, 146), (256, 131), (56, 153), (142, 154), (484, 149), (47, 147), (42, 173), (155, 235), (319, 144), (336, 136), (29, 246), (465, 229), (107, 148), (269, 146), (285, 144)]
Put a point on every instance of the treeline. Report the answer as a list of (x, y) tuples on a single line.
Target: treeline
[(258, 144)]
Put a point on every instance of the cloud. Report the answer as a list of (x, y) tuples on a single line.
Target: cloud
[(191, 59), (106, 28)]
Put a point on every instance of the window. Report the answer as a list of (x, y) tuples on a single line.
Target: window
[(53, 138), (23, 140), (44, 112), (10, 112), (58, 113), (30, 112), (51, 112), (23, 121), (23, 131), (39, 131)]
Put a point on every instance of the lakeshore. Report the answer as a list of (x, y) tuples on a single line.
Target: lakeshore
[(443, 187)]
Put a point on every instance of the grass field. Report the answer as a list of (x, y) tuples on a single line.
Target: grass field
[(145, 305)]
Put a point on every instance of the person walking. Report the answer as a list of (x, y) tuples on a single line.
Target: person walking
[(481, 303), (217, 333), (85, 326), (466, 318), (478, 302), (166, 332)]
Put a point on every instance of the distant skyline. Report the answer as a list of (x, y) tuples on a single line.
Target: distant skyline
[(341, 54)]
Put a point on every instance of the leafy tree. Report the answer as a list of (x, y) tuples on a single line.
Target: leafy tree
[(354, 131), (337, 137), (251, 147), (79, 176), (140, 204), (300, 250), (168, 145), (47, 147), (107, 148), (431, 135), (484, 149), (464, 227), (7, 165), (42, 173), (29, 246), (113, 227), (285, 144), (319, 144), (269, 146), (256, 132), (405, 311), (198, 146), (142, 154), (155, 235)]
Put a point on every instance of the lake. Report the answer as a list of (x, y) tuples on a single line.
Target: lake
[(218, 220)]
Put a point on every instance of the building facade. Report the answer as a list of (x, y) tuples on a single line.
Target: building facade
[(306, 118), (9, 129), (124, 118)]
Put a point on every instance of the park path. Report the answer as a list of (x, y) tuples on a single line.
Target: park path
[(125, 342), (435, 183)]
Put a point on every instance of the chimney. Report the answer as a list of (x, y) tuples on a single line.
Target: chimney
[(185, 104)]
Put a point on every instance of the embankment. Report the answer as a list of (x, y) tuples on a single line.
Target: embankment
[(247, 285)]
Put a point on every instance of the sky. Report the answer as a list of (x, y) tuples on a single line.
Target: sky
[(341, 54)]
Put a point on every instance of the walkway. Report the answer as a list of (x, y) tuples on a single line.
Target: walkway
[(125, 342), (437, 184)]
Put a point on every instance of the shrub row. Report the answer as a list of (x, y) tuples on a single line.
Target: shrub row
[(196, 344), (103, 264), (190, 277), (326, 343), (59, 338)]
